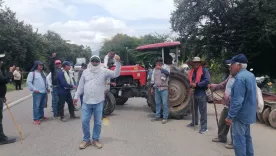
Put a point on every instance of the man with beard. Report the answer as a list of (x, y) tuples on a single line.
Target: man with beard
[(4, 79), (92, 85)]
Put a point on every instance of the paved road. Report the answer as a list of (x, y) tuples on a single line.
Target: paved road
[(127, 132)]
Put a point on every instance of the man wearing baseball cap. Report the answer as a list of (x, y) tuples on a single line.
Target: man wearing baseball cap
[(242, 112), (4, 79)]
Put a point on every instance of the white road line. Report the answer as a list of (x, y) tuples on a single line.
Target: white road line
[(14, 103)]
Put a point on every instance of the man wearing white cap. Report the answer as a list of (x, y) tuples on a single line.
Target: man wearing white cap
[(199, 80), (4, 79), (92, 85)]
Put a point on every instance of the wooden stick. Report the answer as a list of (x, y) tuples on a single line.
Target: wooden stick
[(19, 131), (215, 108)]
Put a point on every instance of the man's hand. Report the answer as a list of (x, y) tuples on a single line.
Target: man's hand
[(117, 58), (193, 85), (228, 121), (75, 87), (75, 101), (211, 86), (36, 91), (152, 91), (12, 68), (158, 67), (113, 84)]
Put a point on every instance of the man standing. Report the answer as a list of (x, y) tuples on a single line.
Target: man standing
[(109, 59), (38, 84), (92, 85), (53, 87), (83, 67), (17, 78), (65, 85), (199, 80), (4, 79), (160, 84), (242, 111), (223, 129)]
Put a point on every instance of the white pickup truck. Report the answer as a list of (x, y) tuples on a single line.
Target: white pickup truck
[(79, 61)]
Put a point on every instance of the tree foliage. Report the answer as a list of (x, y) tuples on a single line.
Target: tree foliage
[(23, 45), (125, 46), (219, 29)]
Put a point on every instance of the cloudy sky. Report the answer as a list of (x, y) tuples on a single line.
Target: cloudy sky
[(88, 22)]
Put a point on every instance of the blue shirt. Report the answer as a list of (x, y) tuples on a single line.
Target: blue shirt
[(243, 98), (200, 89), (36, 82), (63, 86)]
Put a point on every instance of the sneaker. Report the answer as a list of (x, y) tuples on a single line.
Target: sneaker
[(164, 121), (202, 131), (155, 119), (84, 144), (7, 141), (192, 125), (97, 144), (44, 118), (229, 146), (37, 122), (218, 140), (63, 120)]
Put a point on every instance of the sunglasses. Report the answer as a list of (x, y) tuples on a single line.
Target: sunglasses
[(95, 60)]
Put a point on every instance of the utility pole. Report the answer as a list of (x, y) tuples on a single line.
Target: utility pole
[(127, 56)]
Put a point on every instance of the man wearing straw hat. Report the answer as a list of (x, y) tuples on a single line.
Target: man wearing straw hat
[(199, 80), (4, 79)]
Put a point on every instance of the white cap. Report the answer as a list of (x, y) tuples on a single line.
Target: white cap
[(196, 59), (2, 55)]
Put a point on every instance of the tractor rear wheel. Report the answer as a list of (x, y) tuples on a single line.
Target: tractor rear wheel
[(179, 101), (266, 115), (110, 103), (260, 117), (121, 100), (272, 118)]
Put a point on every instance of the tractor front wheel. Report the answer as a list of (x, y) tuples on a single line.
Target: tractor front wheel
[(121, 100), (110, 103)]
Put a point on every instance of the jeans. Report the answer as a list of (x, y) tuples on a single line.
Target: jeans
[(81, 99), (2, 135), (161, 97), (87, 112), (223, 129), (17, 84), (242, 140), (55, 101), (200, 103), (39, 101), (61, 102)]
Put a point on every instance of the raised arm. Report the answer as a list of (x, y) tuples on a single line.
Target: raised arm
[(115, 73)]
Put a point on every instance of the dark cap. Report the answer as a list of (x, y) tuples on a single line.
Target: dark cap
[(241, 58), (66, 63), (83, 65)]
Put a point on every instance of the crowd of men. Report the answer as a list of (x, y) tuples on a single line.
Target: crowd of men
[(239, 96)]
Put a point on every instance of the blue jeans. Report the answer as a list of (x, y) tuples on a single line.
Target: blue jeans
[(55, 101), (81, 99), (39, 101), (242, 140), (200, 103), (87, 112), (161, 97)]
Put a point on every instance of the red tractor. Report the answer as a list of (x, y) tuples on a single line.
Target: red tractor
[(134, 81)]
